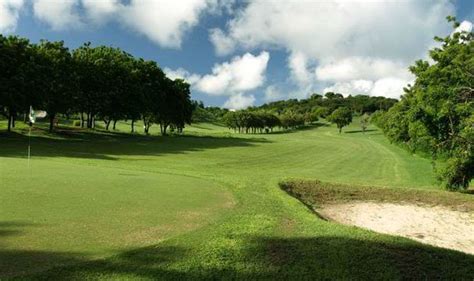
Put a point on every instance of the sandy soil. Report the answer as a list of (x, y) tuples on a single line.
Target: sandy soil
[(436, 226)]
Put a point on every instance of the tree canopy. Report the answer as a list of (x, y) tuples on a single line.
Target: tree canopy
[(436, 114), (341, 117), (96, 83)]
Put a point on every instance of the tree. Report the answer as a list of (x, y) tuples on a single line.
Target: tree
[(364, 122), (436, 113), (321, 111), (55, 81), (17, 66), (341, 117), (90, 81)]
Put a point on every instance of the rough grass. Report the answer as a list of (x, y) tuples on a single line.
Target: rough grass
[(315, 193), (206, 205)]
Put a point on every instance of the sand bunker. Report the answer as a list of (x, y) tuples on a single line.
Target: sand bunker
[(436, 226)]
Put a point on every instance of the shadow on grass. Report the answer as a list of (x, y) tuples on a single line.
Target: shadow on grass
[(271, 258), (360, 131), (110, 145), (300, 129), (13, 228)]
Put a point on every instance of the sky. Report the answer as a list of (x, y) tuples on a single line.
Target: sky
[(242, 53)]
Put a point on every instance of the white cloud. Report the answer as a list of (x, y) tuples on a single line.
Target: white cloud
[(391, 87), (239, 101), (223, 44), (9, 13), (59, 14), (352, 68), (234, 78), (464, 26), (101, 11), (298, 64), (164, 22), (239, 75), (347, 40), (181, 73), (351, 87), (272, 93), (342, 28)]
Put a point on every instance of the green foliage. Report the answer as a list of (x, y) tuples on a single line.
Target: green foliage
[(207, 114), (101, 82), (322, 107), (435, 114), (364, 122), (244, 121), (321, 111), (292, 120), (341, 117)]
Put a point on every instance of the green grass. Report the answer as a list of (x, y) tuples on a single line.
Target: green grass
[(98, 205)]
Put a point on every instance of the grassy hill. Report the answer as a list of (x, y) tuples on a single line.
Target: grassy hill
[(204, 205)]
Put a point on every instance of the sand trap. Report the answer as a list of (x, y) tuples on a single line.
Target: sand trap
[(436, 226)]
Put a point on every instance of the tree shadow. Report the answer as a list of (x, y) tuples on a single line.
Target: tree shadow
[(270, 258), (300, 129), (360, 131), (112, 145), (13, 228)]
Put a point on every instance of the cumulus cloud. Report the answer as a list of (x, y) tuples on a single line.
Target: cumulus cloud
[(164, 22), (9, 13), (391, 87), (341, 28), (273, 93), (59, 14), (182, 73), (239, 101), (242, 73), (298, 65), (224, 45), (339, 41), (353, 68), (233, 78), (464, 26), (101, 11)]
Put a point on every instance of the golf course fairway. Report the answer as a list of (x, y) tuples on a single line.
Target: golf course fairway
[(205, 205)]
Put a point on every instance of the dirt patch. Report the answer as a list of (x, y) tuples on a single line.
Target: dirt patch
[(438, 226)]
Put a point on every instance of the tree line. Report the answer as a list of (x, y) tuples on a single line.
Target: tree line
[(93, 83), (293, 113), (436, 114)]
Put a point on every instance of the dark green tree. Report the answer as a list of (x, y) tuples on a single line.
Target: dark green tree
[(341, 117)]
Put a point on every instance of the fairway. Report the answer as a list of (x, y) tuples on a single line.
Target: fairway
[(95, 204)]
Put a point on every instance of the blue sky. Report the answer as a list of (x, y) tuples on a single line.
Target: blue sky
[(237, 54)]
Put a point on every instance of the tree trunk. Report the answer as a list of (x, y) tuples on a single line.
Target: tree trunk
[(340, 130), (9, 128), (145, 129), (89, 124), (133, 126), (13, 120), (107, 123), (82, 119), (51, 122), (115, 122)]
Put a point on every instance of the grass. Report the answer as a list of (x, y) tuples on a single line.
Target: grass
[(316, 193), (206, 205)]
